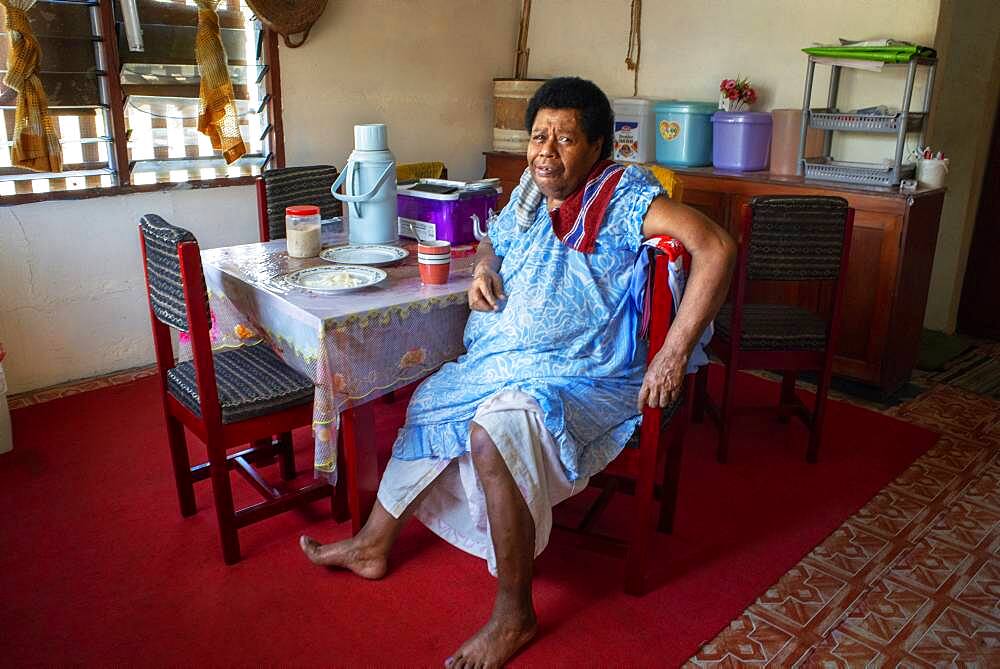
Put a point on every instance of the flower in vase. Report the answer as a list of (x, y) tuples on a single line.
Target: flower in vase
[(736, 94)]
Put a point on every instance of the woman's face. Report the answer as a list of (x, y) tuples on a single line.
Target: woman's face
[(559, 153)]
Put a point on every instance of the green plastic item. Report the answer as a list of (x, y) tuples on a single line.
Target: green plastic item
[(884, 54)]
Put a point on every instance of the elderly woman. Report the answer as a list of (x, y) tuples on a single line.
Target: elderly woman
[(553, 380)]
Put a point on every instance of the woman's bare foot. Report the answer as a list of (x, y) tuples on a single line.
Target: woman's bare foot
[(364, 560), (496, 641)]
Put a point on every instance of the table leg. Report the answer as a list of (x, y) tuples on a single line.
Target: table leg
[(359, 476)]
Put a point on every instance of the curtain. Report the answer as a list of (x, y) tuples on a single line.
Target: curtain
[(218, 118), (36, 145)]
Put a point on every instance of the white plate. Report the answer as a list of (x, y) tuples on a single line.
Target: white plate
[(364, 254), (335, 278)]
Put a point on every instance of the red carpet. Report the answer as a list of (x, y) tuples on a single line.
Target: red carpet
[(98, 567)]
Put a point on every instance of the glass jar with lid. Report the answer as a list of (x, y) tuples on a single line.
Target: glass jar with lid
[(302, 227)]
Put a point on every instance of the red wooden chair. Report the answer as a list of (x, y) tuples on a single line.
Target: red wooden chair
[(801, 239), (649, 466), (228, 399), (280, 188)]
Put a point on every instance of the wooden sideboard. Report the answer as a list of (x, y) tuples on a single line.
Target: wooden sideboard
[(889, 269)]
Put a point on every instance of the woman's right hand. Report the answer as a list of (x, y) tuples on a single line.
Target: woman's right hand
[(486, 289)]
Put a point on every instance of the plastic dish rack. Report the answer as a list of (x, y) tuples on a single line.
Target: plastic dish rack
[(832, 120), (856, 173)]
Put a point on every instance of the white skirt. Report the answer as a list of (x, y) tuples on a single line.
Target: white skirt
[(455, 508)]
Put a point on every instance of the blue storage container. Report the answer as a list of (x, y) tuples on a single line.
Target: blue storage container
[(684, 132)]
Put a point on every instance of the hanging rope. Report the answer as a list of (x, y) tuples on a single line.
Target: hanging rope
[(36, 145), (634, 44), (218, 119)]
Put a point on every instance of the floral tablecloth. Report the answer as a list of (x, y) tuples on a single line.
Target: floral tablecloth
[(356, 345)]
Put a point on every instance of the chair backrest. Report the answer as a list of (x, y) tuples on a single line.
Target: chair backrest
[(178, 298), (795, 238), (163, 270), (289, 186), (416, 171)]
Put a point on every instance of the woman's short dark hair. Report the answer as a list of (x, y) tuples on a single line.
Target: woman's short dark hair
[(582, 95)]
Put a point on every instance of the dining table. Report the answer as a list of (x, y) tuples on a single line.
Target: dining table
[(357, 345)]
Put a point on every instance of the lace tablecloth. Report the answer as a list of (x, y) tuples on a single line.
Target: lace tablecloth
[(356, 345)]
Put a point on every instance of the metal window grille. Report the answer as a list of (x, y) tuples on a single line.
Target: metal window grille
[(160, 88)]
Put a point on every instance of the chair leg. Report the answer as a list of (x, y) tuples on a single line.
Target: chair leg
[(286, 456), (640, 543), (182, 466), (819, 413), (672, 472), (726, 414), (700, 394), (222, 492), (787, 399)]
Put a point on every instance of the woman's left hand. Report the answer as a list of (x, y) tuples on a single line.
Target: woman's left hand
[(664, 380)]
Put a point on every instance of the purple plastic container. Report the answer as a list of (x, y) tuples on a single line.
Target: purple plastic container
[(741, 141), (447, 217)]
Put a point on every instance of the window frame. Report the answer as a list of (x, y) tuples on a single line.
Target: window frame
[(109, 42)]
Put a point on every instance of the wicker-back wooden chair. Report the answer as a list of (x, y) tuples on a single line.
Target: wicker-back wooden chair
[(227, 399)]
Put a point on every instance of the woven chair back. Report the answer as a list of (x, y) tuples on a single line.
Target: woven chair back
[(163, 270), (299, 185), (796, 238)]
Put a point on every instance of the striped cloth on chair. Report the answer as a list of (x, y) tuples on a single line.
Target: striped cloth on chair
[(163, 270)]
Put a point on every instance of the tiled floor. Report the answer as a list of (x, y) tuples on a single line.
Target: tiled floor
[(911, 580)]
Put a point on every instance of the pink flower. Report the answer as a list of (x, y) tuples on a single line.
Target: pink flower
[(733, 95)]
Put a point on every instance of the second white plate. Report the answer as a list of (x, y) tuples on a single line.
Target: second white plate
[(364, 254), (335, 278)]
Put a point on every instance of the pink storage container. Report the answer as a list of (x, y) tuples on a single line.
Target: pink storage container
[(741, 141)]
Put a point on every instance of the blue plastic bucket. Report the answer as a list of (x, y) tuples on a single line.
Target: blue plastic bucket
[(684, 132)]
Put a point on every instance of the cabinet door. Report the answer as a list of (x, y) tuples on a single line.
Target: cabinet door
[(868, 295), (710, 203)]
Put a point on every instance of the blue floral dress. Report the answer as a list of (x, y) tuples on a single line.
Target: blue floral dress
[(566, 335)]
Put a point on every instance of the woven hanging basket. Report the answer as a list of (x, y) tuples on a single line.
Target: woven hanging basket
[(288, 17)]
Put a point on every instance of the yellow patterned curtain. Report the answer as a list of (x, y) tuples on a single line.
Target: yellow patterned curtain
[(36, 145), (218, 118)]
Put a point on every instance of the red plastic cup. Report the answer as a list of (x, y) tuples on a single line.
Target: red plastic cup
[(434, 261)]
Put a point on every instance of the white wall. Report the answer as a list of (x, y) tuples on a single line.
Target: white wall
[(72, 295), (425, 68), (689, 46)]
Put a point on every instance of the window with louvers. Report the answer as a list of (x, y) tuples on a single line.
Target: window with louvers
[(68, 34), (159, 96), (161, 83)]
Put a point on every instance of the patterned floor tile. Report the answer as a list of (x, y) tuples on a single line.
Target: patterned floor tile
[(952, 453), (960, 413), (985, 489), (924, 481), (29, 398), (890, 513), (747, 641), (884, 611), (849, 551), (982, 592), (962, 639), (800, 596), (929, 564), (842, 651), (964, 524)]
